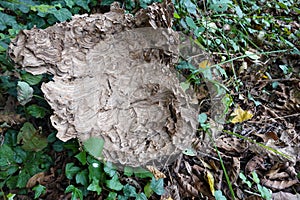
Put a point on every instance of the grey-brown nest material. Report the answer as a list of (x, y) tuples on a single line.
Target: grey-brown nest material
[(115, 81)]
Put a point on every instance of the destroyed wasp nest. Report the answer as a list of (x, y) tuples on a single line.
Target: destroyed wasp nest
[(115, 81)]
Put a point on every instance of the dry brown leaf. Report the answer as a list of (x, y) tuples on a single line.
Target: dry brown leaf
[(185, 184), (11, 118), (157, 174), (255, 163), (235, 169), (279, 185), (37, 178), (231, 145), (285, 196)]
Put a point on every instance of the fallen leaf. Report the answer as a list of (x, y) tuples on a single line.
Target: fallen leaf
[(157, 174), (204, 64), (211, 181), (240, 115), (37, 178)]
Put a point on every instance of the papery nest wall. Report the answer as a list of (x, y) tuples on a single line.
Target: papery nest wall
[(114, 78)]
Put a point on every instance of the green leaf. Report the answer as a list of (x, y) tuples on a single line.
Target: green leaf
[(189, 152), (31, 139), (245, 180), (95, 172), (190, 22), (128, 171), (142, 173), (141, 196), (70, 3), (36, 111), (62, 14), (71, 170), (10, 196), (31, 79), (95, 187), (239, 11), (185, 85), (110, 169), (39, 190), (25, 92), (190, 7), (7, 21), (7, 155), (76, 193), (83, 4), (23, 178), (112, 196), (81, 157), (157, 186), (264, 192), (219, 5), (255, 177), (94, 146), (147, 189), (129, 191), (202, 118), (107, 2), (219, 195), (114, 183), (82, 177)]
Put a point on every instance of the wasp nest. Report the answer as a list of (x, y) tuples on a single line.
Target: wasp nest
[(115, 81)]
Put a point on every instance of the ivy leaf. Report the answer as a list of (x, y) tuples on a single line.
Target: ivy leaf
[(128, 171), (81, 157), (147, 189), (190, 6), (219, 5), (31, 79), (111, 196), (129, 191), (7, 20), (71, 170), (94, 186), (23, 177), (157, 186), (114, 183), (25, 92), (39, 190), (190, 22), (94, 146), (36, 111), (110, 169), (31, 139), (69, 3), (76, 193), (62, 14), (83, 4), (240, 115), (82, 177), (219, 195), (7, 155), (141, 196)]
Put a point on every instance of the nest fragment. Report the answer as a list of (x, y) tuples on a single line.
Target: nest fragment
[(115, 81)]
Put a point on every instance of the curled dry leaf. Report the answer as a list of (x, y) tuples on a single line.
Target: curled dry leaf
[(279, 185), (255, 163), (37, 178), (114, 81), (157, 174), (231, 145), (186, 186), (285, 196)]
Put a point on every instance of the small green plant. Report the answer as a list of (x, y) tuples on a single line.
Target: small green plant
[(264, 192), (91, 175)]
